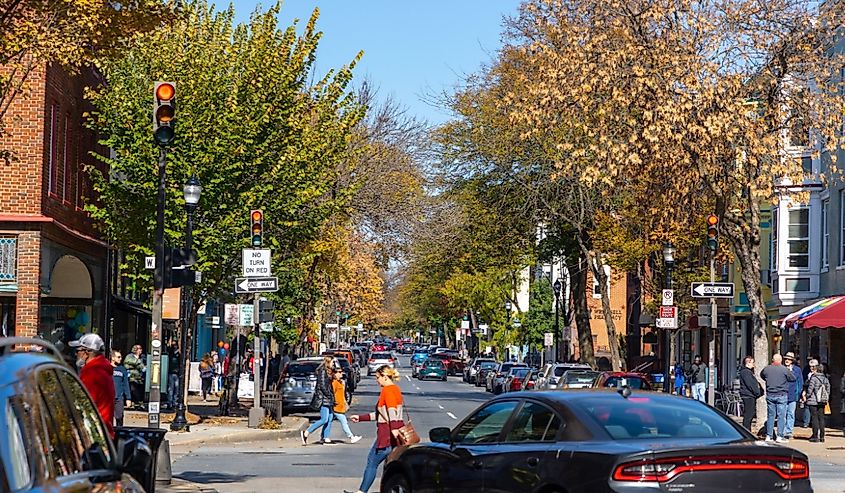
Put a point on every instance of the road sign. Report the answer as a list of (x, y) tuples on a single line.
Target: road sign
[(712, 289), (245, 315), (667, 323), (548, 339), (256, 263), (567, 334), (667, 312), (256, 284), (231, 315), (149, 263), (668, 297)]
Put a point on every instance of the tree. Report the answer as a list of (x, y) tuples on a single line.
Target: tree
[(249, 124)]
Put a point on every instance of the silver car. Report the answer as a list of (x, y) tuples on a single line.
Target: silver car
[(377, 360), (298, 384), (551, 376)]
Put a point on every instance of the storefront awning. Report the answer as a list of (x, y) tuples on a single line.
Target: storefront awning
[(827, 313)]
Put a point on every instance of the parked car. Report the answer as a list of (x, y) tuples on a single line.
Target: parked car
[(483, 370), (530, 382), (515, 378), (379, 359), (433, 368), (360, 358), (551, 374), (350, 367), (587, 441), (454, 363), (578, 379), (298, 383), (615, 378), (53, 438), (496, 378), (471, 370)]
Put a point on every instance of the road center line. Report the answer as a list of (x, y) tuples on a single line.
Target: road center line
[(409, 378), (441, 407), (451, 415)]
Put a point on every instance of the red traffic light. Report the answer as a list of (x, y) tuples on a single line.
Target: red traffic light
[(712, 220), (257, 216), (165, 91)]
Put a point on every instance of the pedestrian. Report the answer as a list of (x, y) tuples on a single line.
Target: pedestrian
[(341, 406), (803, 417), (816, 396), (206, 375), (216, 381), (122, 394), (698, 379), (749, 391), (136, 368), (794, 394), (777, 378), (96, 375), (680, 378), (324, 398), (389, 418)]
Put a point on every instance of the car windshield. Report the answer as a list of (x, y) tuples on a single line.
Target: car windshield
[(343, 362), (580, 377), (486, 365), (507, 366), (633, 382), (302, 369), (382, 356), (643, 418)]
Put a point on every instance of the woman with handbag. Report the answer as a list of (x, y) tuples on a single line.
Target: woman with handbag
[(324, 399), (391, 430)]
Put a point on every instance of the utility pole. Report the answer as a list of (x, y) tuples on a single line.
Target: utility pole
[(711, 353), (153, 417)]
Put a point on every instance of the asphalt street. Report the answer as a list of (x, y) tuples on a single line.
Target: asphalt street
[(288, 466)]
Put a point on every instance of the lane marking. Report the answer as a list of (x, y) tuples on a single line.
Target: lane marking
[(409, 378), (441, 407), (451, 415)]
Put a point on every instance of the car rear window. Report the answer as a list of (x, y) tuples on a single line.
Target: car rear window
[(580, 377), (519, 372), (488, 364), (382, 356), (507, 366), (300, 369), (633, 382), (644, 418), (434, 363)]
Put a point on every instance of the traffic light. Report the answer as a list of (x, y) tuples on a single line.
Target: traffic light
[(164, 112), (256, 228), (177, 271), (265, 311), (712, 232)]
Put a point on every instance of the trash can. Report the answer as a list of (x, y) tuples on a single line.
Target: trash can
[(153, 437)]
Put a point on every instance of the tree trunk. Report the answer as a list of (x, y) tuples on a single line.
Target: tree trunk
[(603, 280), (578, 293)]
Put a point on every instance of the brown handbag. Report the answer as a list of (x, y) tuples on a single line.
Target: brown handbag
[(407, 433)]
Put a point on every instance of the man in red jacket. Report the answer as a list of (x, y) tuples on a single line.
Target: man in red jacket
[(96, 375)]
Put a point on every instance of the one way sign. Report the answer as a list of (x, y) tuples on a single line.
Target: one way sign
[(712, 289), (256, 284)]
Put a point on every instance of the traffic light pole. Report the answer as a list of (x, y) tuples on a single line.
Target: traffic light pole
[(711, 353), (153, 417), (256, 414), (180, 421)]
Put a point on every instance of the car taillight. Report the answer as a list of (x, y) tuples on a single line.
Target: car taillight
[(663, 470), (372, 360)]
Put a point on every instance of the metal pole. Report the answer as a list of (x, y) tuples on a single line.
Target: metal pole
[(711, 363), (557, 327), (180, 421), (153, 418), (667, 341), (256, 413)]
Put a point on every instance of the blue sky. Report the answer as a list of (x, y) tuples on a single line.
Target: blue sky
[(412, 49)]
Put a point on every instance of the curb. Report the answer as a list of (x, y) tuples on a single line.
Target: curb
[(183, 486), (246, 435)]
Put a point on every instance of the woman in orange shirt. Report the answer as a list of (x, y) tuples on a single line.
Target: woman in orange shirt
[(389, 418), (341, 406)]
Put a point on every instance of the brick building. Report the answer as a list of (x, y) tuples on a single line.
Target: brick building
[(54, 265)]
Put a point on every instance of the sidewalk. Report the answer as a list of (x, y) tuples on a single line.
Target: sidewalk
[(832, 450), (182, 486)]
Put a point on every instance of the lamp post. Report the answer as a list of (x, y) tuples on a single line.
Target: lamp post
[(557, 287), (508, 329), (669, 262), (191, 192)]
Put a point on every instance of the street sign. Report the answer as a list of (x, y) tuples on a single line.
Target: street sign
[(667, 312), (150, 263), (245, 315), (668, 297), (464, 324), (548, 339), (256, 284), (256, 263), (483, 328), (215, 320), (667, 323), (266, 327), (231, 315), (567, 334), (712, 289)]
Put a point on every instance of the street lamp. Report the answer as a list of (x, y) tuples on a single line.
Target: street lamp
[(191, 192), (557, 287), (669, 261)]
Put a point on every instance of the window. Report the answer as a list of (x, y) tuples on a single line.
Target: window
[(773, 242), (825, 235), (801, 284), (534, 423), (92, 430), (18, 472), (807, 165), (798, 239), (66, 446), (596, 290), (67, 161), (53, 148), (485, 425), (842, 227), (8, 258)]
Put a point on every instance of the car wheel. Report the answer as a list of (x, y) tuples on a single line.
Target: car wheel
[(396, 484)]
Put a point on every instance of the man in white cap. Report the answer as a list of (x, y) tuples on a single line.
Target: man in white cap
[(96, 375)]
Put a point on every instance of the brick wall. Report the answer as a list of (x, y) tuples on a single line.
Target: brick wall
[(29, 291), (618, 306)]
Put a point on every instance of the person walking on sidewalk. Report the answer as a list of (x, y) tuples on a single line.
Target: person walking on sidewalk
[(680, 379), (206, 375), (794, 394), (341, 406), (121, 387), (777, 378), (96, 375), (817, 395), (749, 391), (389, 418), (135, 365), (698, 379), (324, 398)]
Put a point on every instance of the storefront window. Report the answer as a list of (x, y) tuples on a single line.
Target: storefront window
[(7, 316), (61, 324)]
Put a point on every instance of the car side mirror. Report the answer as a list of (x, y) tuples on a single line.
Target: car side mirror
[(440, 434), (134, 456)]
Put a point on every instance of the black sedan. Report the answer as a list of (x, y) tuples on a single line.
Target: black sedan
[(595, 441)]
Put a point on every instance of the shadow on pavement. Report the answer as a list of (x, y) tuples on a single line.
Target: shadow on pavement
[(203, 477)]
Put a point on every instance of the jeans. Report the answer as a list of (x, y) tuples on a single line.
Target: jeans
[(804, 414), (699, 391), (341, 417), (775, 407), (817, 420), (325, 421), (749, 411), (790, 418), (374, 458)]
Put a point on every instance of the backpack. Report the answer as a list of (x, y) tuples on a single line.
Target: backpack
[(822, 393)]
